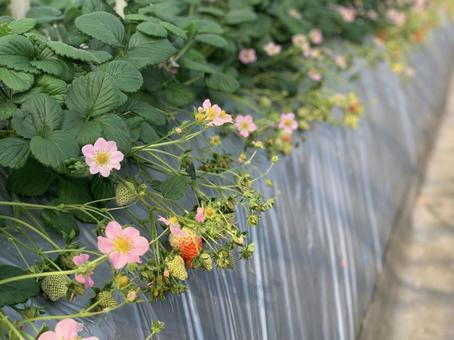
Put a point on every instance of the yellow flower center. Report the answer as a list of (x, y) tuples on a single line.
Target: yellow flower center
[(288, 123), (211, 113), (173, 220), (102, 158), (210, 212), (244, 126), (200, 117), (122, 244)]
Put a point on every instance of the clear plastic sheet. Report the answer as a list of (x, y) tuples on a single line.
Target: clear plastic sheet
[(319, 250)]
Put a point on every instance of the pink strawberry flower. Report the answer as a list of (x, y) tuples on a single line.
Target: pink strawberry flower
[(348, 14), (314, 75), (122, 245), (272, 49), (67, 329), (173, 224), (213, 114), (102, 157), (288, 122), (84, 279), (396, 17), (340, 61), (200, 215), (247, 56), (245, 125), (316, 36), (300, 41)]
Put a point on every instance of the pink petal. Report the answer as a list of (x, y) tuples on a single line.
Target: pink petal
[(116, 156), (100, 144), (94, 169), (68, 329), (88, 150), (252, 127), (176, 231), (91, 338), (132, 258), (80, 278), (48, 336), (141, 246), (105, 245), (163, 220), (131, 232), (118, 260), (80, 259), (115, 166), (244, 133), (105, 171), (206, 104), (113, 230), (89, 282), (111, 146)]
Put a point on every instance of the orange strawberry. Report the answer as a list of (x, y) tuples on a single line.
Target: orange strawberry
[(189, 243)]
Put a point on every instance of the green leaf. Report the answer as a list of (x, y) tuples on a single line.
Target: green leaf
[(179, 94), (14, 152), (148, 112), (208, 26), (89, 132), (174, 29), (22, 25), (102, 56), (16, 51), (154, 29), (54, 148), (103, 26), (76, 190), (102, 188), (17, 291), (197, 66), (114, 128), (53, 87), (240, 15), (125, 75), (144, 51), (50, 63), (212, 39), (71, 52), (44, 14), (7, 110), (15, 80), (174, 187), (222, 82), (33, 179), (148, 134), (39, 113), (93, 95), (61, 223)]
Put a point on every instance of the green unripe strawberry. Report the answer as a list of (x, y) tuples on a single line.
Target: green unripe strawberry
[(177, 268), (207, 262), (55, 286), (125, 193), (106, 300)]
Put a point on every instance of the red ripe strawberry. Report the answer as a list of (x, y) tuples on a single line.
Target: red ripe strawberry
[(188, 244)]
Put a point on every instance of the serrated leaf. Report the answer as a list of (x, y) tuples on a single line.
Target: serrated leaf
[(174, 29), (103, 26), (7, 110), (33, 179), (144, 51), (54, 148), (92, 95), (114, 128), (125, 75), (71, 52), (61, 223), (44, 14), (53, 87), (14, 152), (222, 82), (17, 291), (208, 26), (148, 112), (16, 51), (240, 15), (50, 63), (89, 132), (197, 66), (154, 29), (179, 94), (102, 56), (174, 187), (22, 25), (212, 39), (16, 80)]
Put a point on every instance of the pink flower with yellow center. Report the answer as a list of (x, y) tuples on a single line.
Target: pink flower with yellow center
[(314, 75), (84, 279), (288, 122), (245, 125), (200, 215), (348, 14), (123, 246), (316, 36), (272, 49), (247, 56), (300, 41), (213, 114), (173, 224), (396, 17), (102, 157), (67, 329)]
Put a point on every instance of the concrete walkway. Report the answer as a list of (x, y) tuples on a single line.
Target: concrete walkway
[(414, 299)]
